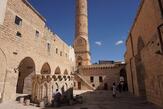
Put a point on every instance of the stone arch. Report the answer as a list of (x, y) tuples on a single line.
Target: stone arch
[(46, 69), (66, 72), (26, 71), (3, 64), (123, 74), (57, 70)]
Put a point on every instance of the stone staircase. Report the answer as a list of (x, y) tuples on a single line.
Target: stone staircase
[(87, 83)]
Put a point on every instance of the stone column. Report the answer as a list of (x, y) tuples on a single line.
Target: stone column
[(9, 93)]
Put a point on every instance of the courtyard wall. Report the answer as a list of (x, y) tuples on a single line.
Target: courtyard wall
[(143, 57), (31, 38)]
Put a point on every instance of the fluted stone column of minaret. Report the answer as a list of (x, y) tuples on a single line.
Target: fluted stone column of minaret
[(81, 43)]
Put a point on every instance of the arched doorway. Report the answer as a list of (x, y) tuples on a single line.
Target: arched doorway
[(79, 85), (46, 69), (105, 86), (123, 74), (26, 72), (140, 68), (123, 79), (2, 71)]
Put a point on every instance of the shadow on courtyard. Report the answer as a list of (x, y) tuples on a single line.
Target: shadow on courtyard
[(100, 99)]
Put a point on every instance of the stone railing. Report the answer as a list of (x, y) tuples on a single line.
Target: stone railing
[(43, 86)]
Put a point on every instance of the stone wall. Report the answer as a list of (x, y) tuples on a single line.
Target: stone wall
[(109, 73), (44, 47), (2, 10), (144, 52)]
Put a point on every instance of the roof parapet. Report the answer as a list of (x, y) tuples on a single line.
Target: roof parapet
[(30, 6), (135, 19)]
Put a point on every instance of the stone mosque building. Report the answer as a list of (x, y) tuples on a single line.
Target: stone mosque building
[(35, 61)]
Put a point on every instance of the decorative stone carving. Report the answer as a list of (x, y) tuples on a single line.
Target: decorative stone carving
[(43, 86), (69, 78), (16, 70), (60, 77), (43, 79), (39, 79), (48, 78), (65, 78), (54, 78)]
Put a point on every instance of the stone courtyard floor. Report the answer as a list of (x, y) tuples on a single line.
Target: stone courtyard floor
[(98, 100)]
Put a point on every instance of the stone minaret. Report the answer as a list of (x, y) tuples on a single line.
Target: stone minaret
[(81, 43)]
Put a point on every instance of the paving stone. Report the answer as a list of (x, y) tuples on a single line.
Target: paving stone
[(102, 100)]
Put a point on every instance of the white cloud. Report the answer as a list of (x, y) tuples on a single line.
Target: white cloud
[(119, 42), (98, 43)]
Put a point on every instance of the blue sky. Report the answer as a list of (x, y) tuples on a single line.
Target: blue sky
[(109, 24)]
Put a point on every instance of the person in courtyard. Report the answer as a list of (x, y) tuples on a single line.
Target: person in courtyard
[(56, 98), (114, 89)]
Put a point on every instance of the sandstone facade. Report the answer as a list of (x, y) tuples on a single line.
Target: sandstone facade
[(98, 76), (143, 57), (30, 54)]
